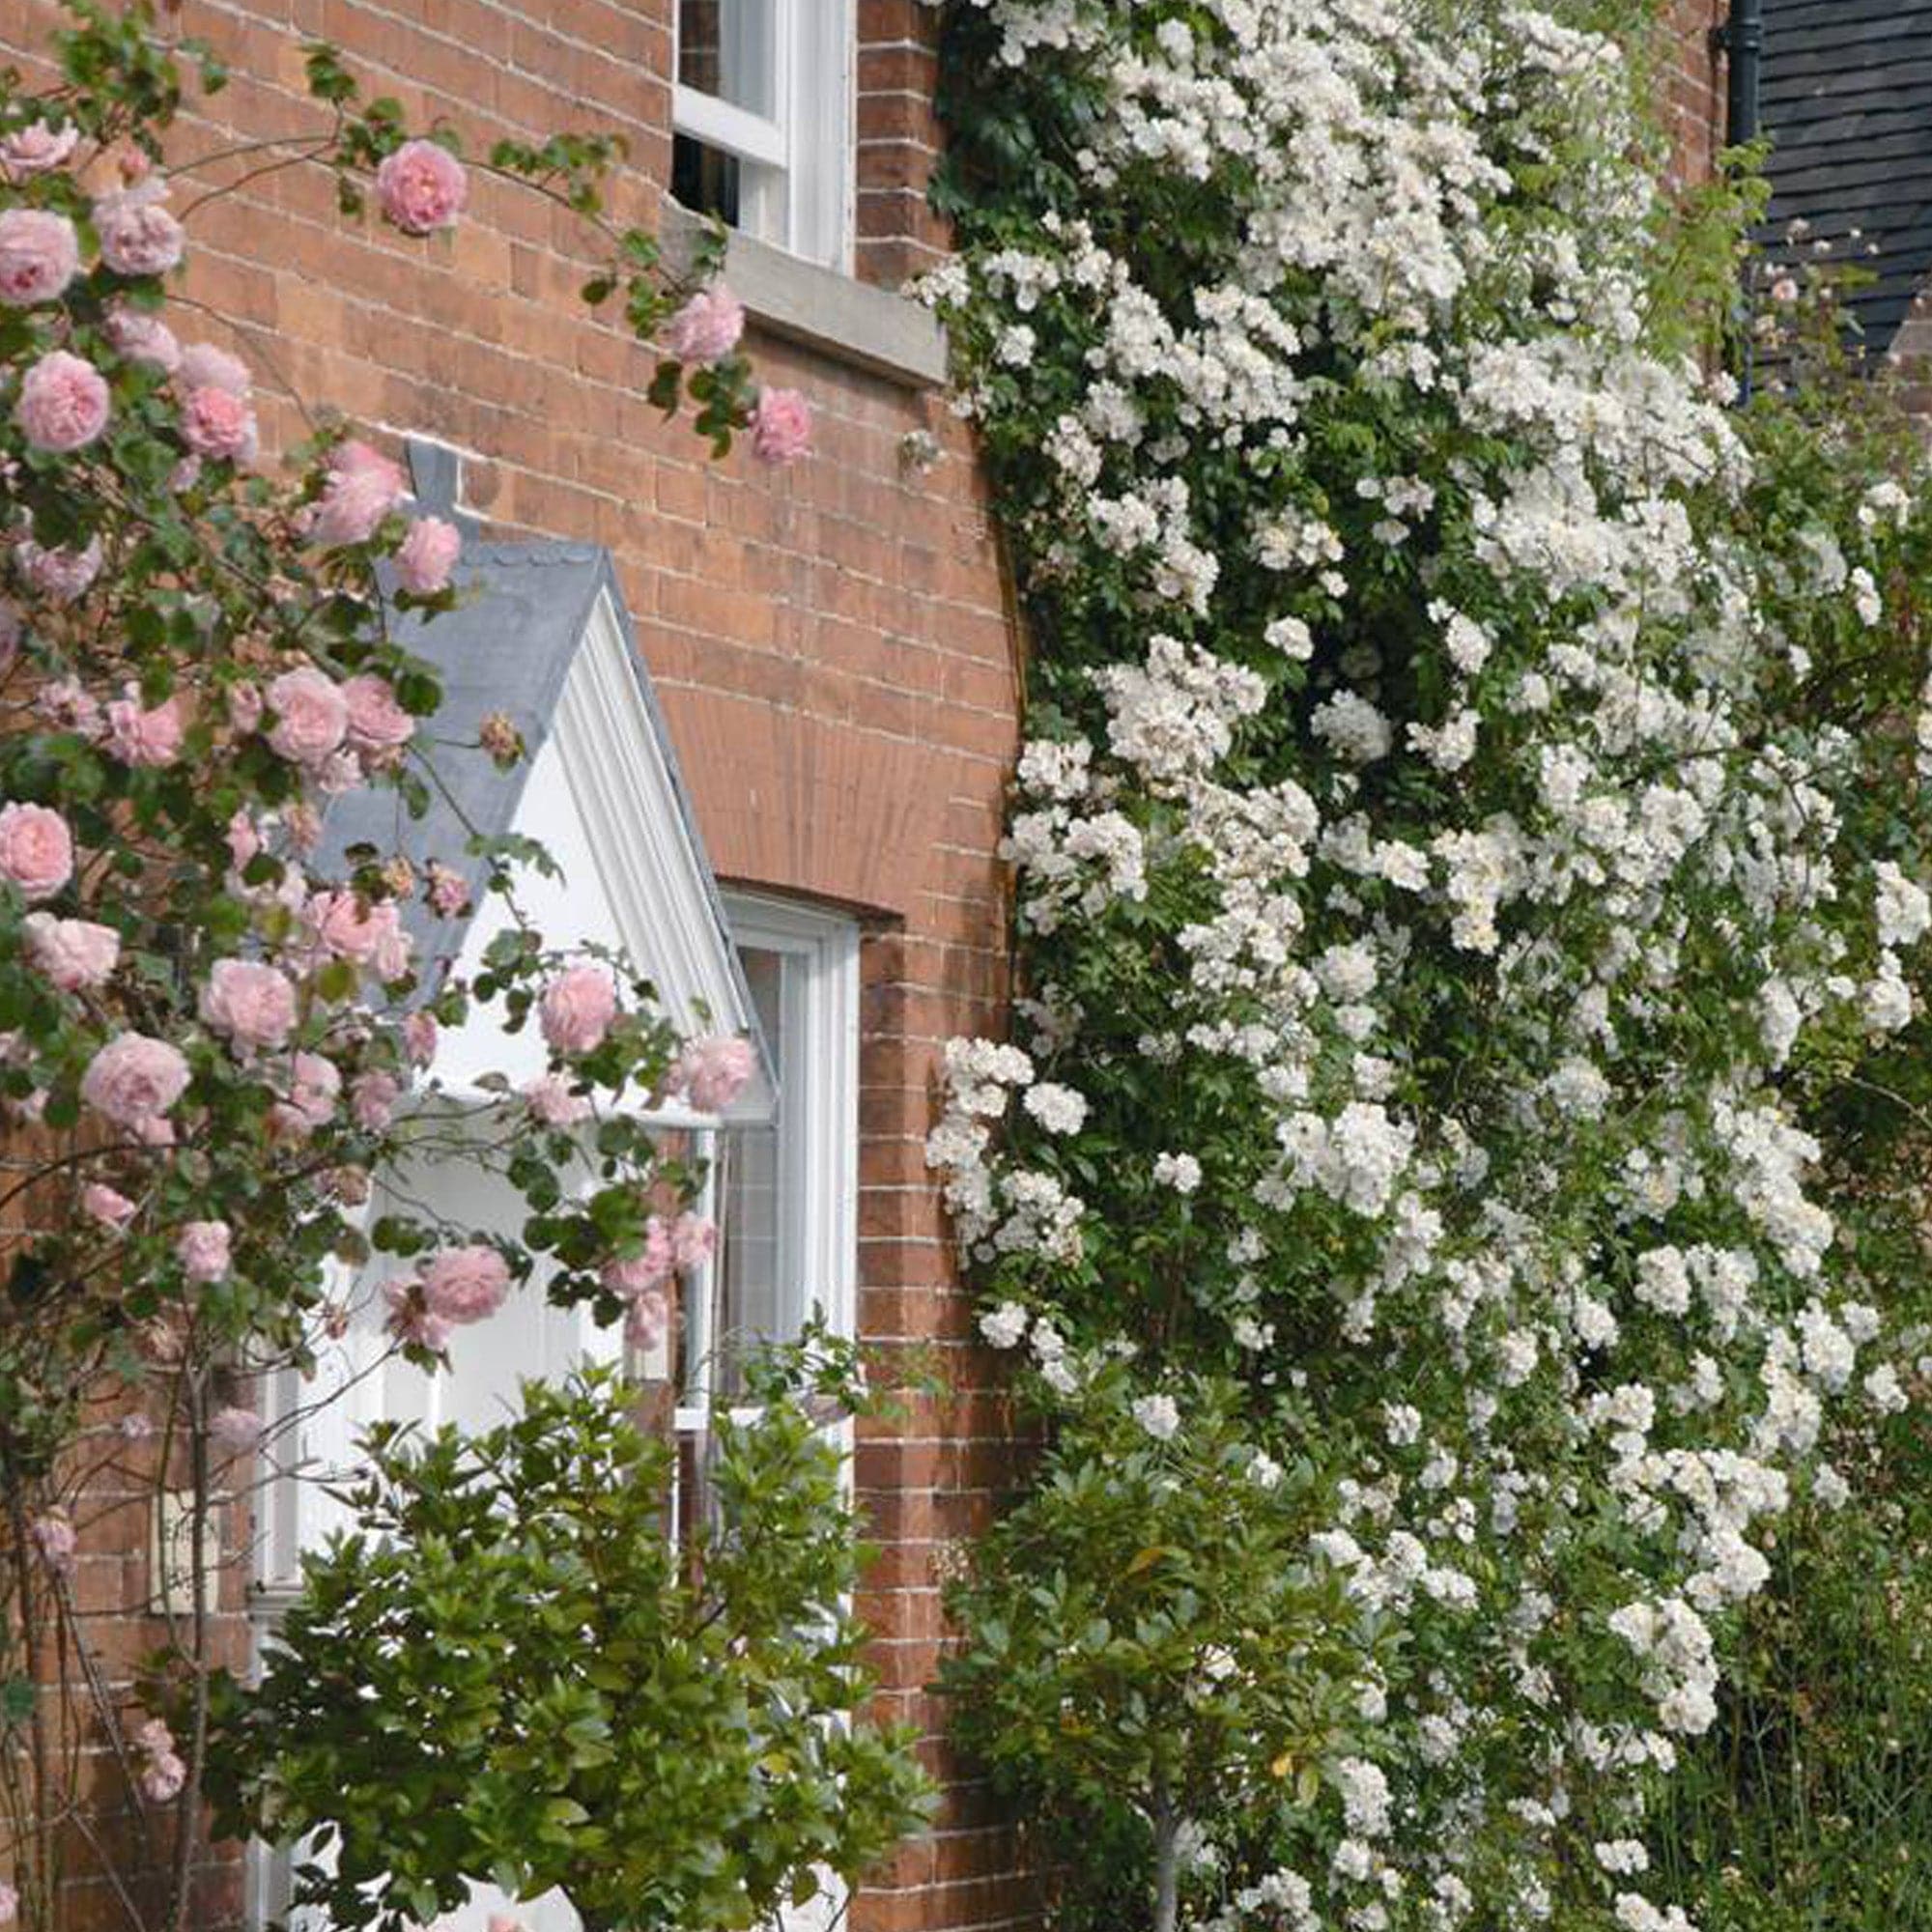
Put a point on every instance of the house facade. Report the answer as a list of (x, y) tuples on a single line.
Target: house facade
[(834, 667)]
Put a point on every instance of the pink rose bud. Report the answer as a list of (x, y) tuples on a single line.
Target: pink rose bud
[(577, 1009), (427, 556), (203, 366), (35, 150), (36, 850), (244, 707), (138, 235), (106, 1204), (712, 1071), (75, 954), (707, 327), (314, 1088), (463, 1284), (421, 187), (780, 426), (252, 1006), (39, 255), (63, 403), (143, 338), (219, 426), (243, 840), (419, 1038), (134, 1081), (148, 739), (203, 1250), (311, 716)]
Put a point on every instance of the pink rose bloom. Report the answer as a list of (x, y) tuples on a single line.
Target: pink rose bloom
[(144, 338), (707, 327), (134, 1080), (162, 1772), (218, 425), (466, 1284), (647, 1319), (363, 487), (63, 403), (503, 1921), (10, 1904), (203, 1250), (780, 426), (650, 1270), (53, 1536), (68, 701), (419, 1038), (367, 934), (73, 953), (712, 1071), (61, 575), (203, 366), (550, 1100), (35, 150), (449, 890), (577, 1009), (254, 1006), (377, 724), (372, 1100), (106, 1204), (138, 235), (36, 850), (39, 255), (410, 1320), (314, 1088), (694, 1240), (236, 1428), (311, 716), (427, 556), (421, 187), (146, 738)]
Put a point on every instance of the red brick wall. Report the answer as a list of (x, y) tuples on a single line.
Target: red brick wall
[(1691, 79), (831, 643)]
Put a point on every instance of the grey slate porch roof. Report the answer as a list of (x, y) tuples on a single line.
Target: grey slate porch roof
[(1847, 101)]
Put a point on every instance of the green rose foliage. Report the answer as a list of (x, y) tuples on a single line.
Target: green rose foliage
[(509, 1671)]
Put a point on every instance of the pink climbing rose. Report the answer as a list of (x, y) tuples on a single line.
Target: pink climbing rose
[(203, 366), (466, 1284), (311, 716), (134, 1080), (201, 1248), (780, 426), (138, 235), (421, 187), (63, 403), (427, 556), (377, 724), (707, 327), (145, 737), (577, 1009), (218, 424), (106, 1204), (143, 338), (39, 255), (712, 1071), (36, 850), (35, 150), (75, 954), (251, 1004), (363, 486)]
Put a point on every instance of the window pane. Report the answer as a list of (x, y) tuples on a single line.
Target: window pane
[(707, 181), (729, 49), (754, 1298)]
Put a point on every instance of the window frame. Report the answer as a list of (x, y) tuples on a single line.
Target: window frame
[(798, 182)]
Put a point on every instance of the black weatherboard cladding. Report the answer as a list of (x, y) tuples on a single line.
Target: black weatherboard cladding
[(1847, 101)]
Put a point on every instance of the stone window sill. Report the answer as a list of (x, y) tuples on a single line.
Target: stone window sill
[(850, 321)]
